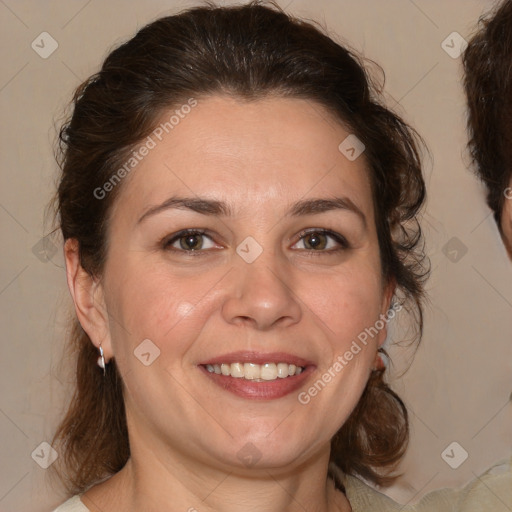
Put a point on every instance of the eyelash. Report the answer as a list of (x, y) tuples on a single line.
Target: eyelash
[(341, 240)]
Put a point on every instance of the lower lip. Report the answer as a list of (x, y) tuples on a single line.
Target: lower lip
[(265, 390)]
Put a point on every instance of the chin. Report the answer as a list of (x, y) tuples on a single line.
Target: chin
[(267, 448), (252, 457)]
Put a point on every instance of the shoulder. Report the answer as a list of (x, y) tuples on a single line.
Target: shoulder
[(491, 490), (74, 504)]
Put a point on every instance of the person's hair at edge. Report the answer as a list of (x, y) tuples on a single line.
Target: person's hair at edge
[(488, 84), (248, 52)]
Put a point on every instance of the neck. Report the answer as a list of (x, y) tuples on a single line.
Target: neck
[(157, 480)]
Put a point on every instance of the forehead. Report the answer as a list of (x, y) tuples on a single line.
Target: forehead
[(247, 153)]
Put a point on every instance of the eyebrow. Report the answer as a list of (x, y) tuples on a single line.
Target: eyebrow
[(219, 208)]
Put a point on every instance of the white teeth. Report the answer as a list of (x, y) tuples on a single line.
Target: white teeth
[(256, 372), (282, 370), (269, 371), (252, 371), (236, 370)]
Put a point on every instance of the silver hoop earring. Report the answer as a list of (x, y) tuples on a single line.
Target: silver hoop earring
[(101, 360)]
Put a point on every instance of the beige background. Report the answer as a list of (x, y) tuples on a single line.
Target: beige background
[(459, 385)]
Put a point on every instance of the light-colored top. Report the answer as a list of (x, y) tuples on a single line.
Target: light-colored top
[(74, 504), (490, 492)]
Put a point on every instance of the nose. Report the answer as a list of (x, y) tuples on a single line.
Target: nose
[(261, 295)]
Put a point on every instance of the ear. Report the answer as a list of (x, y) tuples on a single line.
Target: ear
[(387, 296), (506, 220), (88, 297)]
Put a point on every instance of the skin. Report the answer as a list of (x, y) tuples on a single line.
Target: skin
[(185, 431), (506, 220)]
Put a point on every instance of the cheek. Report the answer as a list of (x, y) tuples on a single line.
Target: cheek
[(347, 303), (151, 305), (168, 309)]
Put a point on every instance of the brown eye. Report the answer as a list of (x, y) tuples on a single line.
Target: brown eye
[(315, 241), (322, 241), (189, 241)]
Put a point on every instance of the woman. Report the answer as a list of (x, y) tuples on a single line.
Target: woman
[(239, 216)]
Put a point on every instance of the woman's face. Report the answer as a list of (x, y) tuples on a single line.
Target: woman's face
[(280, 269)]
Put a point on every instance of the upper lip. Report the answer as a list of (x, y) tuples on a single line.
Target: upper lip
[(258, 358)]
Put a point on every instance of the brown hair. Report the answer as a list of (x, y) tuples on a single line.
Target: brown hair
[(488, 85), (248, 52)]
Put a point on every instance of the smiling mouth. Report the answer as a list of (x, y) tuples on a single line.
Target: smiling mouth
[(257, 375), (255, 372)]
